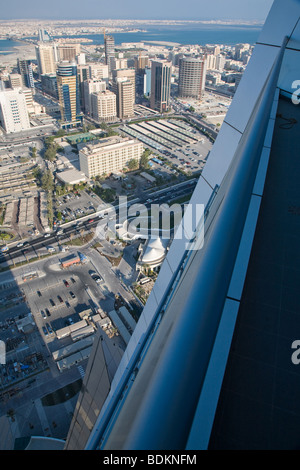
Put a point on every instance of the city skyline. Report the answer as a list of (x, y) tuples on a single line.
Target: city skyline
[(231, 10)]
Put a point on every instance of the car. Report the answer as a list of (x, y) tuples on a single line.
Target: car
[(72, 295), (66, 283), (49, 328), (45, 331), (39, 293), (67, 304), (70, 321), (47, 235), (19, 245), (73, 280), (60, 299), (52, 302), (43, 314), (47, 312)]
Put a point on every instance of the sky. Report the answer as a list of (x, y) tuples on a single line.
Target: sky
[(135, 9)]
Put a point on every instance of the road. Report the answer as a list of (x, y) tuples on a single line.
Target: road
[(91, 221)]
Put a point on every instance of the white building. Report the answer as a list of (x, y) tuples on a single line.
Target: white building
[(98, 71), (13, 111), (91, 86), (109, 155), (104, 106), (46, 58)]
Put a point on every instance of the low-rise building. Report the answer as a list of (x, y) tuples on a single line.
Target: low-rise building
[(109, 155)]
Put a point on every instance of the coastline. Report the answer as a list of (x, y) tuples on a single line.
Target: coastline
[(22, 51)]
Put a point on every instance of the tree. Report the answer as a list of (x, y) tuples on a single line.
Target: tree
[(144, 161), (132, 164), (60, 133), (47, 181), (50, 153)]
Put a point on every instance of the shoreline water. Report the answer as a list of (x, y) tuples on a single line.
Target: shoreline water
[(10, 50)]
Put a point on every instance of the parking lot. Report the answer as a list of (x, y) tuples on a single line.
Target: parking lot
[(73, 206)]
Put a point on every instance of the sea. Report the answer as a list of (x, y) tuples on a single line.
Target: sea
[(7, 46), (200, 34)]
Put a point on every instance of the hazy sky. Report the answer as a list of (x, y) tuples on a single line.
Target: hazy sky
[(135, 9)]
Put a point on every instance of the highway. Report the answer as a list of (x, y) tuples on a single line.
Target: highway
[(86, 223)]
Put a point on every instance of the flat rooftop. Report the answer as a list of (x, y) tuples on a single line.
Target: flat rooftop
[(259, 406)]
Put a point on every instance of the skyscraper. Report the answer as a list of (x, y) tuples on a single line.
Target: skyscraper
[(191, 81), (45, 55), (124, 90), (68, 93), (160, 85), (109, 49), (25, 70)]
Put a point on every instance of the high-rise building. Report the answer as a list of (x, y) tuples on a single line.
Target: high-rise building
[(25, 70), (161, 72), (147, 82), (45, 55), (13, 110), (44, 36), (68, 93), (68, 51), (128, 74), (191, 80), (103, 106), (49, 84), (124, 90), (140, 63), (124, 87), (213, 362), (119, 64), (15, 80), (91, 86), (107, 356), (109, 155), (83, 74), (109, 49), (98, 71)]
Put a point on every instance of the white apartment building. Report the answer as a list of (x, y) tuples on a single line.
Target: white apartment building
[(13, 110), (109, 155), (104, 106), (98, 71), (90, 86)]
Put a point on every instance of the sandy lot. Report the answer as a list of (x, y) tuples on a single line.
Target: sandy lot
[(24, 51)]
